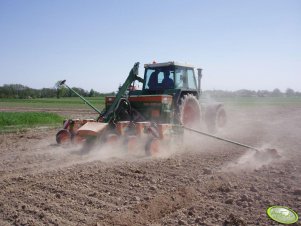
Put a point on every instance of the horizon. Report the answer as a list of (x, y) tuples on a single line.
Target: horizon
[(203, 90), (253, 45)]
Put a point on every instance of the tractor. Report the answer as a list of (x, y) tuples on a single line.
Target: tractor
[(150, 118)]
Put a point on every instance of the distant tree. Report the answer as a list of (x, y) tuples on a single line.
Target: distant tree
[(245, 93), (24, 92), (218, 93), (62, 92), (47, 92), (276, 93), (96, 94), (263, 93), (58, 93), (16, 91), (289, 92), (91, 93), (80, 91)]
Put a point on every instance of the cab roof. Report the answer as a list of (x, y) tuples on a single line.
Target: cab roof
[(166, 64)]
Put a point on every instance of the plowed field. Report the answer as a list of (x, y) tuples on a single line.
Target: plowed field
[(207, 182)]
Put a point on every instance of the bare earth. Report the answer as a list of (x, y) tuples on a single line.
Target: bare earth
[(207, 182)]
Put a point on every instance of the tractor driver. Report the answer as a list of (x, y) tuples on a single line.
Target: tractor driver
[(153, 81), (167, 82)]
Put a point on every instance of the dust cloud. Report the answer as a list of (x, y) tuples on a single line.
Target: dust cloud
[(246, 125), (252, 160)]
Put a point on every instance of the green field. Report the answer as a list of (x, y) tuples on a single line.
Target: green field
[(98, 102), (13, 121)]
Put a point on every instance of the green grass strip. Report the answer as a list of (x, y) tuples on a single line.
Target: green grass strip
[(10, 121)]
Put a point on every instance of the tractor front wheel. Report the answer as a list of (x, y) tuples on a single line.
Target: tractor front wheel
[(63, 137)]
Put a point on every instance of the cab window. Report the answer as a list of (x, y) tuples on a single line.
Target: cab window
[(154, 79), (184, 79), (191, 79)]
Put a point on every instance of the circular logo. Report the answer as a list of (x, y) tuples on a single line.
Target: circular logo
[(282, 214)]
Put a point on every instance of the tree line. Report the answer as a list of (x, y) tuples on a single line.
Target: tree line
[(252, 93), (19, 91)]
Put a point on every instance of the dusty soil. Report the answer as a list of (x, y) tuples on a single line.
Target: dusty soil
[(208, 182)]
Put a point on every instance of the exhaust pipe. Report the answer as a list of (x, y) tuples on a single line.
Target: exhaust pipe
[(199, 80)]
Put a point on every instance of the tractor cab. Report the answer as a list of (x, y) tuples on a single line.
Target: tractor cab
[(174, 79), (169, 78)]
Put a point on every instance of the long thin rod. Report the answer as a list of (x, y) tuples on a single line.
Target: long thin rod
[(86, 101), (220, 138)]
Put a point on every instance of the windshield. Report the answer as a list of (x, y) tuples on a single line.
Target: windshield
[(169, 78), (159, 78)]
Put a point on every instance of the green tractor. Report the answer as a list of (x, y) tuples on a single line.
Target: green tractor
[(168, 102)]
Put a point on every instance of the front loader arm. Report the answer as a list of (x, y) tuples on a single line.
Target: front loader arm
[(133, 76)]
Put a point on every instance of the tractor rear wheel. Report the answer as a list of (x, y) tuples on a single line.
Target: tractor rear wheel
[(215, 118), (190, 111)]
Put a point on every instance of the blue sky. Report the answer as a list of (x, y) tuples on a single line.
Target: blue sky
[(253, 44)]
